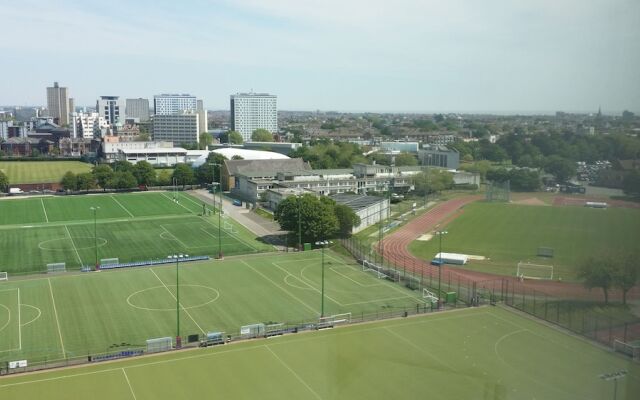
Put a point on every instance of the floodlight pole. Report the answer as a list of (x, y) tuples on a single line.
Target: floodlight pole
[(178, 257), (322, 244), (614, 376), (95, 233), (219, 184), (440, 233), (299, 201)]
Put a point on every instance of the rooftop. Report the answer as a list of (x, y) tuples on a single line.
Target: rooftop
[(356, 201)]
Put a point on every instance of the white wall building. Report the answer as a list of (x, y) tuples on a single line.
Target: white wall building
[(251, 111), (87, 125), (167, 104), (112, 109), (179, 128), (113, 147), (202, 117)]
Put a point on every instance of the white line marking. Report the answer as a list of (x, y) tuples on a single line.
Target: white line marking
[(280, 287), (190, 212), (353, 280), (129, 383), (317, 396), (175, 237), (304, 279), (74, 245), (44, 209), (37, 316), (174, 297), (238, 238), (55, 312), (123, 207), (19, 323)]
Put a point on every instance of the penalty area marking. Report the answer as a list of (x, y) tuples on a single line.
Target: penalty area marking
[(101, 242), (36, 317)]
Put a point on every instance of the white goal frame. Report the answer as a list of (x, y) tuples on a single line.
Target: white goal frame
[(56, 267), (429, 296), (546, 271), (371, 267), (631, 350), (4, 276), (109, 261)]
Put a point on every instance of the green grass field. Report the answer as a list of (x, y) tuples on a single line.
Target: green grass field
[(131, 227), (41, 171), (482, 353), (73, 315), (508, 233)]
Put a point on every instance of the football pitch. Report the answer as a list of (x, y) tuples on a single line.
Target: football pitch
[(131, 227), (41, 171), (507, 234), (72, 316), (481, 353)]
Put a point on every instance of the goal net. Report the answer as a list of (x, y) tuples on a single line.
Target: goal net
[(333, 320), (56, 267), (4, 276), (629, 349), (527, 270), (429, 296), (371, 267), (109, 261), (159, 344)]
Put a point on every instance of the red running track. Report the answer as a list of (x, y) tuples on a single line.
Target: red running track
[(395, 249)]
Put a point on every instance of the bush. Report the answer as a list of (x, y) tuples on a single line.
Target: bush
[(466, 186)]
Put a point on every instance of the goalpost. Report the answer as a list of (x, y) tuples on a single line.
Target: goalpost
[(631, 350), (56, 267), (371, 267), (109, 261), (4, 276), (429, 296), (527, 270)]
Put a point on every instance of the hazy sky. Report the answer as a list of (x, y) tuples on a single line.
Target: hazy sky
[(351, 55)]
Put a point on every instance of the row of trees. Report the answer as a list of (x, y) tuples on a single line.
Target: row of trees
[(4, 182), (320, 218), (609, 272)]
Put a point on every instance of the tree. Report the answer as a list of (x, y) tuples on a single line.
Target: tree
[(145, 173), (122, 166), (164, 178), (524, 179), (184, 175), (69, 181), (498, 175), (102, 174), (4, 182), (432, 180), (631, 183), (237, 157), (122, 180), (205, 139), (347, 219), (85, 181), (261, 135), (626, 274), (207, 173), (317, 217), (561, 168), (403, 159), (231, 137), (597, 272)]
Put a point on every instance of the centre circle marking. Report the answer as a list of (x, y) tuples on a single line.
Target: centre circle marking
[(101, 242), (132, 303)]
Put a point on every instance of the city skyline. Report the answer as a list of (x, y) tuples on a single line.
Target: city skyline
[(412, 56)]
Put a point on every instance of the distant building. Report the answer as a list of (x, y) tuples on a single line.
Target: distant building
[(167, 104), (88, 125), (58, 104), (202, 116), (399, 147), (179, 128), (439, 156), (262, 169), (72, 105), (251, 111), (24, 114), (112, 109), (442, 139), (137, 109)]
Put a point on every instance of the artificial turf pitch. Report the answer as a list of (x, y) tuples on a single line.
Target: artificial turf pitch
[(509, 233), (71, 316), (481, 353), (130, 227)]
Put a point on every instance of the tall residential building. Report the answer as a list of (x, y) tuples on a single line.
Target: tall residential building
[(111, 108), (165, 104), (179, 128), (202, 117), (88, 125), (138, 109), (251, 111), (58, 104), (72, 105)]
